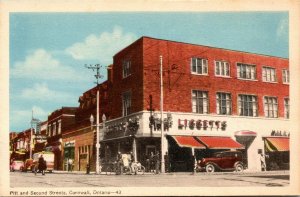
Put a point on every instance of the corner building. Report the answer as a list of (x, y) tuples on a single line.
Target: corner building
[(213, 99)]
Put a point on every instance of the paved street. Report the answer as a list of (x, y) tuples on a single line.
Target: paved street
[(75, 179)]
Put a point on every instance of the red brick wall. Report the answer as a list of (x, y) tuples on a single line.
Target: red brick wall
[(133, 83), (180, 82)]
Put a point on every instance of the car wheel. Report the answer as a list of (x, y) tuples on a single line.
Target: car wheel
[(210, 168), (239, 167)]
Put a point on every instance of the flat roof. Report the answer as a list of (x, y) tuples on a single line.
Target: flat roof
[(198, 45)]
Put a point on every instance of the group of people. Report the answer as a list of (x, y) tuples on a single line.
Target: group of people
[(153, 163), (125, 160)]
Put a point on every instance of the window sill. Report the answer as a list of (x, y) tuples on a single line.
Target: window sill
[(275, 82), (220, 76), (199, 74), (247, 79)]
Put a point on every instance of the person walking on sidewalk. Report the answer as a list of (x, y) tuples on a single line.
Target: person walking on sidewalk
[(42, 165), (263, 162), (70, 165), (157, 162)]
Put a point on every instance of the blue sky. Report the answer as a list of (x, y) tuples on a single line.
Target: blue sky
[(48, 51)]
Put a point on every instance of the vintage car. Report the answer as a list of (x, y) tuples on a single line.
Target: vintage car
[(28, 165), (16, 165), (222, 161)]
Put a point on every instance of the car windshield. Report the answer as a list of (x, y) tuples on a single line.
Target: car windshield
[(217, 155)]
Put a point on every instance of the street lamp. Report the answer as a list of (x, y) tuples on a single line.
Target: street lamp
[(97, 125)]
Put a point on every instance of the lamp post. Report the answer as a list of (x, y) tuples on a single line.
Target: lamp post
[(97, 125), (161, 117)]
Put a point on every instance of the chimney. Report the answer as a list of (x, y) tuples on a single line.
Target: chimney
[(110, 73)]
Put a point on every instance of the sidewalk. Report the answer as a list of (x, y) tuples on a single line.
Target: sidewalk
[(278, 172)]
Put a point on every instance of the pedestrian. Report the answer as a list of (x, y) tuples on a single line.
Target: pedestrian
[(42, 165), (119, 163), (167, 162), (263, 162), (157, 162), (152, 162), (132, 160), (70, 165)]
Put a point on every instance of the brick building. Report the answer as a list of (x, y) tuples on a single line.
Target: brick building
[(58, 122), (79, 139), (212, 95)]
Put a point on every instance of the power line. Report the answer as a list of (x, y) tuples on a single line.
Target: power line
[(97, 68)]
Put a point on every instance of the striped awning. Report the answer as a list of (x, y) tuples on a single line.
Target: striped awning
[(220, 142), (188, 141), (277, 144)]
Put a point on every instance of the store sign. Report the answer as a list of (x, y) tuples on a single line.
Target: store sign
[(70, 144), (192, 124), (40, 138)]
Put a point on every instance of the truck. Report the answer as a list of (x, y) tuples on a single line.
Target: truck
[(48, 157)]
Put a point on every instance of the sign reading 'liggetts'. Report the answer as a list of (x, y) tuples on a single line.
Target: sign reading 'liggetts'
[(201, 124)]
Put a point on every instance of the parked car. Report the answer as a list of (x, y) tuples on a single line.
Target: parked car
[(222, 161), (28, 165), (17, 165)]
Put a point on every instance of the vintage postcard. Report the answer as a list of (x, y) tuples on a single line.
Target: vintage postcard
[(115, 98)]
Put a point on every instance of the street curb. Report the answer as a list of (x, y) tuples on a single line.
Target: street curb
[(283, 172)]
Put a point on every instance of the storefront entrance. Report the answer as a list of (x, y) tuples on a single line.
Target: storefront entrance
[(277, 153)]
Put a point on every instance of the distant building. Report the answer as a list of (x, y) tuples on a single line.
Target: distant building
[(58, 121)]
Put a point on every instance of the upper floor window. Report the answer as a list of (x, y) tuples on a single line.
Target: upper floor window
[(126, 68), (287, 108), (222, 68), (271, 107), (246, 71), (59, 127), (286, 76), (54, 129), (126, 102), (269, 74), (200, 102), (223, 103), (247, 105), (49, 130), (199, 66)]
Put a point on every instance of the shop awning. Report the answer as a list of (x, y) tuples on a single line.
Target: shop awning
[(245, 133), (188, 141), (277, 144), (219, 142)]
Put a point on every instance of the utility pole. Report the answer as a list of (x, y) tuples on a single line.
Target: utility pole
[(31, 135), (161, 115), (97, 76)]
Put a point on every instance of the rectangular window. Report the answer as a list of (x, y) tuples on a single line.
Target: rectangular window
[(286, 76), (54, 129), (59, 127), (199, 66), (49, 130), (271, 107), (223, 103), (247, 105), (269, 74), (222, 68), (126, 100), (126, 68), (287, 108), (200, 102), (246, 71)]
